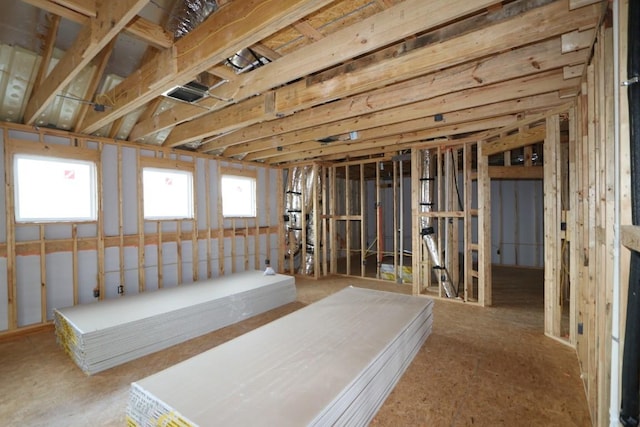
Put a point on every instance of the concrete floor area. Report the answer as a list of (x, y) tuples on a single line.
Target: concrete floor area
[(480, 367)]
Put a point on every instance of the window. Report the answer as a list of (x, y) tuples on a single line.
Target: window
[(168, 193), (54, 189), (238, 195)]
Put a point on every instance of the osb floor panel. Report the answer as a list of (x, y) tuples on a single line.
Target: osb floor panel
[(479, 367)]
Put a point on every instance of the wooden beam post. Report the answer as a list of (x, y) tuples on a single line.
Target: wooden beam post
[(484, 228), (552, 294)]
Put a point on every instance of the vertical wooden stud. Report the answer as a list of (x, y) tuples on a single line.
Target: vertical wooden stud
[(552, 294), (220, 224), (363, 230), (484, 228), (100, 230), (160, 252), (207, 205), (121, 221), (43, 275), (141, 249), (74, 265), (195, 228)]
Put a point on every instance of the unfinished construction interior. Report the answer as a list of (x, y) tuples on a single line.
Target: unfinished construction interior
[(481, 154)]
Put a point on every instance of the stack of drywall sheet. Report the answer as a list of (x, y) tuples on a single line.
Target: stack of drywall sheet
[(331, 363), (101, 335)]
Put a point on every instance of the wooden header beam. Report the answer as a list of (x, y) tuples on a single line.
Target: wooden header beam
[(517, 140)]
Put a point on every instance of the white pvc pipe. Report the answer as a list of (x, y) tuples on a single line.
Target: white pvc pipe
[(615, 310)]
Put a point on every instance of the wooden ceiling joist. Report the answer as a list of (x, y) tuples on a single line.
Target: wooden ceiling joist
[(501, 67), (225, 32), (389, 26), (295, 97), (360, 110), (85, 7), (434, 137), (517, 140), (518, 88), (316, 149), (138, 27), (101, 64), (49, 45), (110, 18), (505, 108)]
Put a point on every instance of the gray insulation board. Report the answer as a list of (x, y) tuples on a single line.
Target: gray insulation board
[(331, 363)]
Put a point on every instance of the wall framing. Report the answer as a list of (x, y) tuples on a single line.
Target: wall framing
[(122, 250)]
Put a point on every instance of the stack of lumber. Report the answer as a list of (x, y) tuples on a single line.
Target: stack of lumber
[(108, 333), (333, 362)]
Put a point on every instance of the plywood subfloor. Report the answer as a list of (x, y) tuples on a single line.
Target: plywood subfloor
[(479, 367)]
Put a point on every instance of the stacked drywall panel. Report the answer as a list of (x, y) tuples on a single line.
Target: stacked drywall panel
[(101, 335), (331, 363)]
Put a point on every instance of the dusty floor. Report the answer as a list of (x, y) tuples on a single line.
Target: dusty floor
[(480, 366)]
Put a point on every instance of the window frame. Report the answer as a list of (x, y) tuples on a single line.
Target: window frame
[(239, 173), (16, 149), (172, 166)]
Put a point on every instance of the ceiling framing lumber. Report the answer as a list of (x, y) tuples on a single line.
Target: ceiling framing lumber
[(518, 88), (298, 96), (352, 147), (49, 46), (85, 7), (325, 76), (361, 108), (101, 64), (389, 26), (517, 140), (510, 107), (225, 32), (138, 27), (490, 70), (110, 18)]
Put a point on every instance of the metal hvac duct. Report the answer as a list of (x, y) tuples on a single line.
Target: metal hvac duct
[(299, 193), (187, 14), (426, 224)]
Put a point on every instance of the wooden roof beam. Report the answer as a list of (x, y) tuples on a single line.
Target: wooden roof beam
[(101, 64), (352, 147), (49, 46), (518, 88), (110, 18), (374, 32), (85, 7), (229, 29), (507, 65), (504, 108), (138, 27), (502, 36)]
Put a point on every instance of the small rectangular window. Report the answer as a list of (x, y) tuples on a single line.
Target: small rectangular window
[(238, 196), (49, 189), (168, 193)]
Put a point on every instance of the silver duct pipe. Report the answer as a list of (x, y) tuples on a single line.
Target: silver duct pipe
[(187, 14), (298, 195), (426, 224), (311, 180)]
